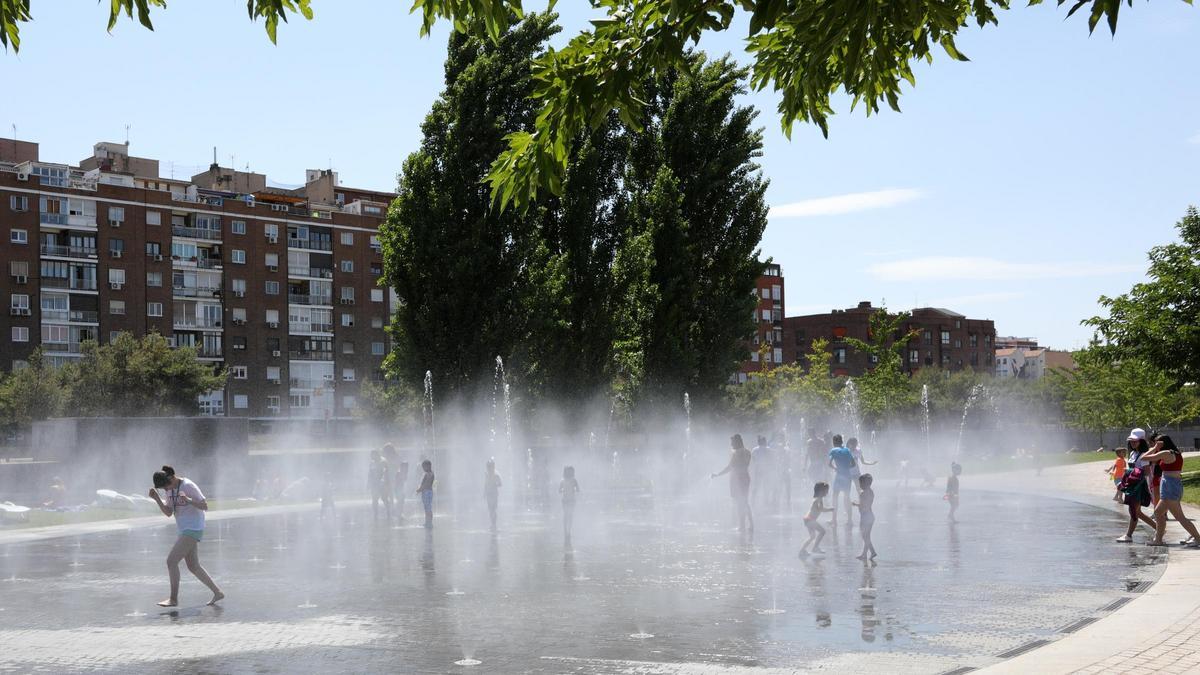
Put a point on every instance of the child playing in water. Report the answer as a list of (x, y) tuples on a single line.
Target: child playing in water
[(866, 514), (568, 488), (426, 492), (815, 531), (1116, 471), (491, 489), (952, 488)]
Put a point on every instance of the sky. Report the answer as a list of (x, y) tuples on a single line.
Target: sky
[(1019, 187)]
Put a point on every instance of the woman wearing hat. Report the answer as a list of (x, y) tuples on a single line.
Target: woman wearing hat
[(1138, 494)]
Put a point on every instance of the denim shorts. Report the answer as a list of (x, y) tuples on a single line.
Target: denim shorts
[(427, 499), (1171, 488)]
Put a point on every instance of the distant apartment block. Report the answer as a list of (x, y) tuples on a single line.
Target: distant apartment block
[(766, 347), (278, 286), (1022, 358)]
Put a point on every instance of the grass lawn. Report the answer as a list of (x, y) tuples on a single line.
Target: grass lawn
[(49, 518), (1191, 481), (1001, 464)]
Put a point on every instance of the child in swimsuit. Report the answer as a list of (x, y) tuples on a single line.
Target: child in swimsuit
[(815, 531), (866, 514), (952, 488)]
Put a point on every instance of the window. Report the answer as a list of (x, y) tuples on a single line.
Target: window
[(238, 372), (18, 203), (958, 344), (238, 342), (272, 288), (20, 334), (273, 316), (241, 401), (945, 359), (273, 373), (945, 337), (376, 295), (271, 230), (154, 280), (347, 347), (273, 403), (154, 309), (777, 292), (778, 355), (914, 356), (18, 236), (348, 374), (958, 323), (238, 286), (754, 356), (18, 268), (153, 218), (987, 340), (348, 294), (116, 215), (20, 302), (153, 248), (375, 245), (237, 226), (116, 247), (300, 400), (839, 355), (239, 314), (348, 402), (766, 315), (766, 293), (272, 344), (347, 265), (347, 239), (339, 198), (116, 275), (377, 348), (377, 322), (272, 260), (376, 269), (237, 257), (347, 320), (372, 210), (973, 340)]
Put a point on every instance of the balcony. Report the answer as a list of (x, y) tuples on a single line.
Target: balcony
[(300, 383), (310, 356), (63, 347), (70, 315), (196, 291), (298, 299), (69, 284), (199, 263), (308, 327), (69, 251), (311, 272), (196, 233), (310, 244), (53, 218), (196, 323)]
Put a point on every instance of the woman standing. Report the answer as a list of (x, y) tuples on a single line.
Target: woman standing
[(1136, 482), (184, 501), (1168, 456), (738, 469)]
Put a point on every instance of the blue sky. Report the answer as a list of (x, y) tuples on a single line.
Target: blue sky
[(1019, 186)]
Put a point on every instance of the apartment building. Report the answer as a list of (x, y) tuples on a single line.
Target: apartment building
[(278, 286), (766, 347), (943, 339)]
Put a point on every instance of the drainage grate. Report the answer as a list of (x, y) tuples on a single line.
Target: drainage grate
[(1141, 587), (1115, 605), (1080, 624), (961, 671), (1027, 647)]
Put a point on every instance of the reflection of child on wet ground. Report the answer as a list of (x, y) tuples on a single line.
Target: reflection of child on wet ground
[(426, 491), (491, 490), (569, 489), (327, 496), (952, 488), (1116, 471), (815, 531), (866, 514)]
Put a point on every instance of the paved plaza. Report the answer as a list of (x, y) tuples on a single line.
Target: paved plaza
[(653, 592)]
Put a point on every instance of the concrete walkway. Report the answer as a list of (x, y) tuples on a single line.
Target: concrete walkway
[(1156, 632)]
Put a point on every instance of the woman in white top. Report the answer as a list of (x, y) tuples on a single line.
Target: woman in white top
[(186, 503)]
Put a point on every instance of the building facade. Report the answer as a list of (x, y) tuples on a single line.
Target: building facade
[(765, 350), (280, 287)]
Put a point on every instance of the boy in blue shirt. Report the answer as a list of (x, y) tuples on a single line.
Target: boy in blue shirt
[(841, 460)]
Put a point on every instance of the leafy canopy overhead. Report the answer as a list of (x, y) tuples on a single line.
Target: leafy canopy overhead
[(806, 51)]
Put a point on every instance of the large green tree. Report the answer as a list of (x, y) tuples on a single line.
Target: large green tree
[(1158, 321), (805, 51), (885, 389), (35, 392)]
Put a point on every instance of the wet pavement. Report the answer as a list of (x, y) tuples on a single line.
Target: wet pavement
[(654, 592)]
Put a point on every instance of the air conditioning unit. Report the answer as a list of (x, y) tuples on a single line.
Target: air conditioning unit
[(116, 286), (273, 381), (328, 377), (19, 311), (347, 301), (22, 175), (272, 239), (239, 322), (239, 294), (239, 346), (158, 258), (273, 268), (272, 324), (115, 254), (216, 324), (275, 353), (21, 279), (114, 223)]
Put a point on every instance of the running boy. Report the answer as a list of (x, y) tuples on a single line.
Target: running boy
[(952, 488)]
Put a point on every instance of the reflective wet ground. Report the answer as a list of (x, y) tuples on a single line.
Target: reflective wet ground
[(651, 592)]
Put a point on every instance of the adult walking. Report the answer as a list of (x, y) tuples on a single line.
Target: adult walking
[(187, 504), (738, 469), (1167, 455), (1136, 483)]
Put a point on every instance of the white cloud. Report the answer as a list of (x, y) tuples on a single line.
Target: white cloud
[(1194, 140), (976, 299), (946, 268), (848, 203)]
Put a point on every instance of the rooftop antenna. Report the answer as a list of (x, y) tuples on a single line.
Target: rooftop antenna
[(172, 170), (14, 126), (214, 155), (127, 135)]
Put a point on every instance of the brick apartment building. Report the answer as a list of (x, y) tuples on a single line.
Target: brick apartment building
[(278, 286), (944, 339), (766, 347)]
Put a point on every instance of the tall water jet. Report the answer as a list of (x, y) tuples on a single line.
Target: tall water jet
[(427, 407), (977, 392), (850, 409), (497, 382), (925, 420), (507, 420)]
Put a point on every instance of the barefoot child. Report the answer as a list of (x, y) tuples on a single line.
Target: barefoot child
[(866, 514), (426, 492), (952, 488), (815, 531), (1116, 471), (491, 490), (186, 503), (569, 488)]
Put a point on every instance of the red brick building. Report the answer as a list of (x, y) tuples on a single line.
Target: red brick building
[(944, 339), (766, 348), (278, 286)]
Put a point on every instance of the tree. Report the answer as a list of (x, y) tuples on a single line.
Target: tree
[(806, 51), (790, 391), (1158, 321), (132, 377), (390, 406), (884, 389), (36, 392)]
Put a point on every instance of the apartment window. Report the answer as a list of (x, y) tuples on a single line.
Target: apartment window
[(238, 342), (300, 400), (987, 340), (914, 356), (347, 239), (958, 323), (20, 302), (116, 247), (945, 359), (778, 355), (237, 226), (272, 288), (339, 198), (946, 337), (116, 307), (928, 335), (376, 295), (237, 256), (273, 403), (347, 265), (154, 309), (59, 335), (116, 215), (272, 344), (20, 334), (116, 275), (272, 316), (766, 293), (18, 268), (113, 335), (839, 355), (154, 279), (766, 315), (18, 203), (271, 230), (973, 340), (777, 292), (377, 322), (153, 248), (958, 344), (18, 236), (348, 293), (153, 218), (347, 320), (238, 372), (375, 243), (754, 356), (348, 402), (974, 358), (239, 314), (272, 372), (348, 374), (347, 347), (272, 259), (376, 269), (241, 401), (377, 348), (238, 286)]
